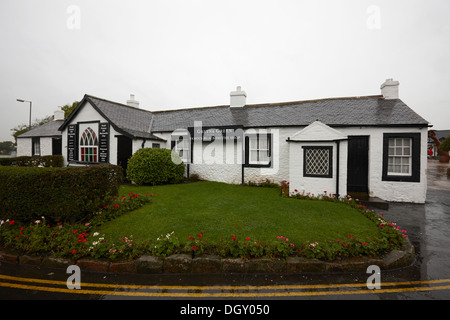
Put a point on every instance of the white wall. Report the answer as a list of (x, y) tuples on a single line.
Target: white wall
[(88, 114), (24, 147), (392, 190)]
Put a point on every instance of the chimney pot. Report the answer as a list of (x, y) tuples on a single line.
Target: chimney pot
[(389, 89), (132, 102), (238, 98), (58, 114)]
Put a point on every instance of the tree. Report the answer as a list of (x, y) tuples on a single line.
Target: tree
[(22, 128), (6, 147), (68, 108)]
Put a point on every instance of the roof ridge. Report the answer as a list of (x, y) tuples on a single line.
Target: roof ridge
[(270, 104), (117, 103)]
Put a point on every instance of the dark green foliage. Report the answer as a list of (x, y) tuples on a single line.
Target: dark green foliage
[(155, 167), (34, 161), (445, 146), (58, 194)]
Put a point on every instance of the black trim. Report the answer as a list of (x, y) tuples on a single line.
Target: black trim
[(415, 153), (33, 141), (330, 161), (247, 149)]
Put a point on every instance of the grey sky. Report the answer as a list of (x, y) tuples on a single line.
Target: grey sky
[(185, 53)]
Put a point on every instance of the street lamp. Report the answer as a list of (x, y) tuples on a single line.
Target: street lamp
[(21, 100)]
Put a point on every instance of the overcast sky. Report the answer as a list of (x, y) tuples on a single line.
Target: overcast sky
[(186, 53)]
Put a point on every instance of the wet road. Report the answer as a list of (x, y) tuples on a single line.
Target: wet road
[(428, 277)]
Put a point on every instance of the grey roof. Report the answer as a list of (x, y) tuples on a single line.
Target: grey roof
[(335, 112), (134, 121), (49, 129), (358, 111)]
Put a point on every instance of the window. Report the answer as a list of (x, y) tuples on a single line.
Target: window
[(258, 150), (36, 147), (317, 162), (89, 146), (399, 156), (156, 145), (181, 146)]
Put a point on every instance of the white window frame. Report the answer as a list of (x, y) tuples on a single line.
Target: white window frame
[(182, 148), (257, 149), (399, 156)]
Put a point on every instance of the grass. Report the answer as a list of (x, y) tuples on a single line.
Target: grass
[(222, 210)]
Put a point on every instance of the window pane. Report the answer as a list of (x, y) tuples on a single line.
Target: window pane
[(407, 151), (254, 156), (391, 151), (398, 151), (406, 142), (253, 144), (405, 169), (391, 142), (398, 142)]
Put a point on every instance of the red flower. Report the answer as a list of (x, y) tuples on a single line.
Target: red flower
[(75, 231), (248, 239), (73, 251), (12, 222), (233, 237)]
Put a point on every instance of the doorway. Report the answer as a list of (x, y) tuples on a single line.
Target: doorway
[(358, 164)]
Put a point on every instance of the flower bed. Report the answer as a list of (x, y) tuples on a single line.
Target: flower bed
[(82, 241)]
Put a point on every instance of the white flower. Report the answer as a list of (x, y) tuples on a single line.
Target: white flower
[(96, 234)]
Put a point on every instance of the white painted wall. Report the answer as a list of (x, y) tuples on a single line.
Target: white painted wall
[(87, 113), (24, 147)]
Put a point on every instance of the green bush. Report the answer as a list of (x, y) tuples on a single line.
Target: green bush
[(445, 146), (34, 161), (58, 194), (154, 167)]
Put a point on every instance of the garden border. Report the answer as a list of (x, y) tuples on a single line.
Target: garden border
[(184, 263)]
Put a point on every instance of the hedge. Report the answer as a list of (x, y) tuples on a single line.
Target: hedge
[(34, 161), (155, 166), (59, 194)]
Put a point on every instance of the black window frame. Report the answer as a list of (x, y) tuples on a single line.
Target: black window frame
[(330, 162), (415, 157)]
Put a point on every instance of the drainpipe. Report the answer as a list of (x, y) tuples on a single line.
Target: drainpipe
[(337, 167)]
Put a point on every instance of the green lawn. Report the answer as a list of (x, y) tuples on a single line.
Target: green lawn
[(222, 210)]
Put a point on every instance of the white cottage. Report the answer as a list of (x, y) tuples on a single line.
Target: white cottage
[(372, 144)]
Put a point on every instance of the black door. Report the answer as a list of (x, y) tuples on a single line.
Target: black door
[(56, 146), (358, 164), (124, 152)]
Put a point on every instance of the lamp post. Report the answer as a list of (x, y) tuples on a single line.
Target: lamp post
[(21, 100)]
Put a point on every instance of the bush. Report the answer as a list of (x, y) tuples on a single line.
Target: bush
[(34, 161), (445, 146), (154, 167), (59, 194)]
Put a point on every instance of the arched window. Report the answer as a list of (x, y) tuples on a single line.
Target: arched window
[(89, 146)]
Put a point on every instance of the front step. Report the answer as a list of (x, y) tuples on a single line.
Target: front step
[(372, 202)]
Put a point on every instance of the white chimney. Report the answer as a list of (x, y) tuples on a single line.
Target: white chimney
[(238, 98), (58, 114), (389, 89), (132, 102)]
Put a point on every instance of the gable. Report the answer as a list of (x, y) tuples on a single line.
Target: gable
[(318, 131)]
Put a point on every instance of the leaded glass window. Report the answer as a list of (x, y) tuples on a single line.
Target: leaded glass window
[(89, 146)]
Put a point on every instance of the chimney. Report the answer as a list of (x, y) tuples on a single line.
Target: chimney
[(389, 89), (132, 102), (238, 98), (58, 114)]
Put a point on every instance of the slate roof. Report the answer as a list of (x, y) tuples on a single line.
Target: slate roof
[(334, 112), (49, 129), (337, 112)]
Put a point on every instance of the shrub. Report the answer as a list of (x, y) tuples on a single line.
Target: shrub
[(445, 146), (59, 194), (154, 166), (34, 161)]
